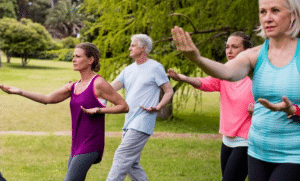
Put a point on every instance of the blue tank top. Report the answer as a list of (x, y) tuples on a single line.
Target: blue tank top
[(273, 137)]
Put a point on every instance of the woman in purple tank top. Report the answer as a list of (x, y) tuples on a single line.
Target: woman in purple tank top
[(88, 99)]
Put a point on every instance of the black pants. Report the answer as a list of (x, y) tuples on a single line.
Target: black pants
[(234, 163), (265, 171), (1, 178)]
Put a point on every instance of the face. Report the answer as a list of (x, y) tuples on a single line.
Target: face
[(80, 60), (234, 46), (274, 17), (135, 50)]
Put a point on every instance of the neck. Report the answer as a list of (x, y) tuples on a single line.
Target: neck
[(86, 75), (141, 59), (281, 42)]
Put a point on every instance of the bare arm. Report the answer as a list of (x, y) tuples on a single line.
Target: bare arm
[(233, 70), (195, 82), (106, 91), (116, 85), (168, 93), (52, 98)]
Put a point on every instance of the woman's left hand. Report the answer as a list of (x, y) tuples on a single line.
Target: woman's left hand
[(285, 105), (91, 111)]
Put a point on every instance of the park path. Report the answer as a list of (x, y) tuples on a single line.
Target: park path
[(119, 134)]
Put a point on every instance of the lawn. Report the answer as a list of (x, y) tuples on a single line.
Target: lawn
[(44, 158)]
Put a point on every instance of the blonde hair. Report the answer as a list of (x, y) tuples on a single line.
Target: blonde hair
[(293, 7)]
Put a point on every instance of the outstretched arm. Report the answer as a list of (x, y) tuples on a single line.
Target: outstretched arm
[(233, 70), (52, 98), (105, 91), (195, 82)]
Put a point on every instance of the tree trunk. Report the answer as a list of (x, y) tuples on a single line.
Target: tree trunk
[(167, 111), (7, 56), (0, 60), (24, 60)]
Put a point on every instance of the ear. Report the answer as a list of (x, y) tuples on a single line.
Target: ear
[(91, 60)]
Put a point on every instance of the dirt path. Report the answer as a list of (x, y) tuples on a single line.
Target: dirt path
[(119, 134)]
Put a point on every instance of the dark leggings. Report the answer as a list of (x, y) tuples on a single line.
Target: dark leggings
[(1, 178), (79, 165), (234, 163), (265, 171)]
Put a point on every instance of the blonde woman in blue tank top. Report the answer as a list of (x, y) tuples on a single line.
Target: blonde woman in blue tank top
[(274, 136)]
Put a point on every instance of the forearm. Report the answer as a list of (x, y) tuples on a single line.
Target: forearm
[(117, 109), (165, 99), (195, 82), (213, 68), (35, 97)]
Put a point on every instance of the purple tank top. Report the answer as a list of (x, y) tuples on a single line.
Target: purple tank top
[(87, 130)]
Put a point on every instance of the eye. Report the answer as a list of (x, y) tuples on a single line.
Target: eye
[(262, 11), (275, 10)]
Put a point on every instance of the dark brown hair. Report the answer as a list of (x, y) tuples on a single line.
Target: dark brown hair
[(91, 50), (247, 43)]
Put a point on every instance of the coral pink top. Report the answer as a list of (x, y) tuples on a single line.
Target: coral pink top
[(235, 98)]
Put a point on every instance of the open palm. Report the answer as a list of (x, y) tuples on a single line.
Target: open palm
[(10, 90)]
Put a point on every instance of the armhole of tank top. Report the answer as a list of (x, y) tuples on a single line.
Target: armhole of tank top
[(261, 55)]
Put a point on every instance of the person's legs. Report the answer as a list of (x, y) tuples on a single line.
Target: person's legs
[(79, 165), (259, 170), (126, 159), (1, 178), (225, 154), (236, 168), (286, 172)]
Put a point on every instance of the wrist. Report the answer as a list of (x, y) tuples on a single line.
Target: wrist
[(98, 110)]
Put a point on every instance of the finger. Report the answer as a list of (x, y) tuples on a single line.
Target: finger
[(266, 103)]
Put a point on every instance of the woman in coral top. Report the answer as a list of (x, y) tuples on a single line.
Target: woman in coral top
[(236, 108), (88, 109)]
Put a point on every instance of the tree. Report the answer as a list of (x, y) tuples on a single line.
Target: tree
[(24, 37), (8, 8), (208, 21), (64, 19)]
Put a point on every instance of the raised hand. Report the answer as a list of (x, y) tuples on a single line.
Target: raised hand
[(91, 111), (175, 76), (285, 106), (10, 90), (184, 43)]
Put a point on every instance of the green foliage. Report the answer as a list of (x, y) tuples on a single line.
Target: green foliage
[(64, 54), (25, 37), (8, 8), (64, 19), (112, 22), (70, 42)]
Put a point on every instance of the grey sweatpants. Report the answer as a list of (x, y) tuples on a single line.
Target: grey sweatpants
[(127, 157), (79, 165)]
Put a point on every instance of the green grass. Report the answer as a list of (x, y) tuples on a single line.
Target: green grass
[(20, 114), (44, 158)]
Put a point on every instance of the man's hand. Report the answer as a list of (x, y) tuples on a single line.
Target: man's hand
[(151, 109)]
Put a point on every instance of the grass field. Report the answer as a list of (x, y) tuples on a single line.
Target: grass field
[(45, 157)]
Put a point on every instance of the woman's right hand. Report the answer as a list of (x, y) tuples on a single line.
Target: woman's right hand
[(175, 76), (10, 90), (185, 44)]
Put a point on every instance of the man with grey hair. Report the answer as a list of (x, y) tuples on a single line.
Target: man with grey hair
[(142, 81)]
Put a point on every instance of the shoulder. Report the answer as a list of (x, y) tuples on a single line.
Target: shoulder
[(251, 55), (69, 86)]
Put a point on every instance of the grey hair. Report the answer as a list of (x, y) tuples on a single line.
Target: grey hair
[(293, 7), (143, 40)]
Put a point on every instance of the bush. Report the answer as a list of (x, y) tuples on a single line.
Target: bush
[(65, 54)]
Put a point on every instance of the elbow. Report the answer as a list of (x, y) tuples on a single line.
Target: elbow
[(126, 108)]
